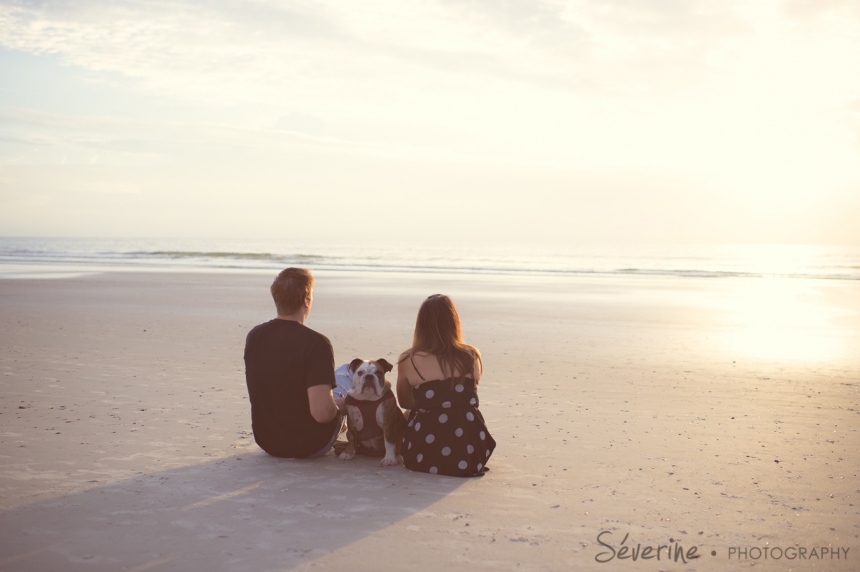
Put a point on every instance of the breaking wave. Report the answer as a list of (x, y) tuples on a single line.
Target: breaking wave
[(784, 261)]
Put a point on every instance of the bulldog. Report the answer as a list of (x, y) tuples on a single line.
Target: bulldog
[(375, 423)]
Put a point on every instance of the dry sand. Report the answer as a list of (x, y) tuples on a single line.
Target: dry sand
[(645, 407)]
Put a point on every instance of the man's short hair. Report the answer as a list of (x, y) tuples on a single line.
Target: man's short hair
[(291, 288)]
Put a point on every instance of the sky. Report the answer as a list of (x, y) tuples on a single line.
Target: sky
[(572, 122)]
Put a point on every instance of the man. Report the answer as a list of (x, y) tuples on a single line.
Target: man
[(289, 369)]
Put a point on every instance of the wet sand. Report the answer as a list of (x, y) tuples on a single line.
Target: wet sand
[(719, 414)]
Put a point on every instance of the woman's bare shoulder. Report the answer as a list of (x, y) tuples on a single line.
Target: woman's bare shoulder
[(404, 356), (478, 368), (476, 353)]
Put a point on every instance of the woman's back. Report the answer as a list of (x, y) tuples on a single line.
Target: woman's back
[(420, 367)]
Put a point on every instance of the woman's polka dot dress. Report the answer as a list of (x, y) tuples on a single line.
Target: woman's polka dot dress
[(446, 434)]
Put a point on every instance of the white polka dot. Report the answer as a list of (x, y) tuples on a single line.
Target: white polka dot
[(446, 405), (446, 451), (469, 416), (470, 449), (473, 401), (462, 464), (482, 435), (430, 438), (429, 394), (479, 466), (419, 458), (409, 446), (443, 418), (459, 388), (434, 470), (418, 426), (488, 453), (458, 432)]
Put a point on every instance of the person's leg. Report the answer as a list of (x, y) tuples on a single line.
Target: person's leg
[(325, 449)]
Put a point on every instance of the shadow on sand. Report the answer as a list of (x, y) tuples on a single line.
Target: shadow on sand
[(254, 512)]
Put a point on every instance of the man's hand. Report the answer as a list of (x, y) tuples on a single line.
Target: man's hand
[(340, 402)]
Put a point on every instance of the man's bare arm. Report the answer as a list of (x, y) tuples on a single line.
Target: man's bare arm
[(321, 401)]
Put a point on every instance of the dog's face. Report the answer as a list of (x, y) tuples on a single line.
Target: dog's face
[(368, 379)]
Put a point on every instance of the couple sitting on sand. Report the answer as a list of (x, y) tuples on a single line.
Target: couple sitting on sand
[(290, 373)]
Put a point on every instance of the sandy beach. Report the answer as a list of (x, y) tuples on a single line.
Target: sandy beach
[(719, 415)]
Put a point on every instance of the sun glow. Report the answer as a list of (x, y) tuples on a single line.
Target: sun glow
[(778, 319)]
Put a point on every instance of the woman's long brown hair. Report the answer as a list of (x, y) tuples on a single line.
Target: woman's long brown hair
[(437, 332)]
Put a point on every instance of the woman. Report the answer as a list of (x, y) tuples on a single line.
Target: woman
[(437, 379)]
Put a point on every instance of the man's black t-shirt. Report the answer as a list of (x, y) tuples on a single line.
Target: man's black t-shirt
[(283, 359)]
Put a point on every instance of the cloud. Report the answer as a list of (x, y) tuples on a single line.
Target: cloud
[(567, 25), (224, 52), (804, 9), (852, 114), (542, 24), (124, 141), (213, 53), (301, 123), (611, 45)]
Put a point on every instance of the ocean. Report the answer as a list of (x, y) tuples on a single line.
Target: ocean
[(63, 257)]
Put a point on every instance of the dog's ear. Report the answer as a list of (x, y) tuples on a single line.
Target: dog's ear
[(385, 365), (353, 365)]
